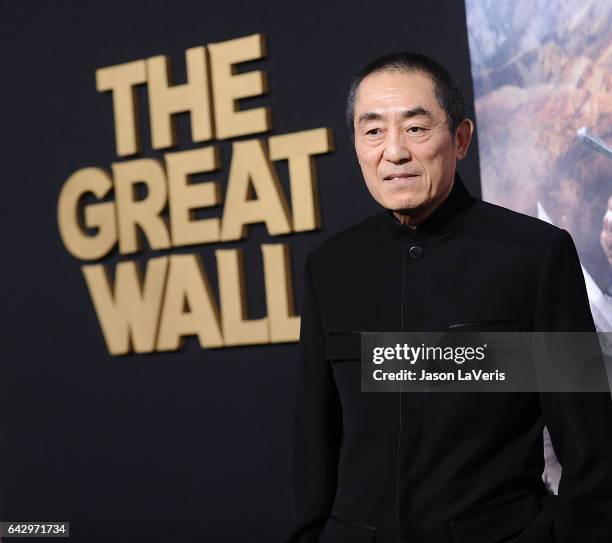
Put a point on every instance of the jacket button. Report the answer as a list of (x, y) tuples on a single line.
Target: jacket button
[(416, 252)]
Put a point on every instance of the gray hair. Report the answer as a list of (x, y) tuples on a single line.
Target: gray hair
[(448, 93)]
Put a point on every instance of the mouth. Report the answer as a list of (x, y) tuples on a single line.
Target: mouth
[(399, 177)]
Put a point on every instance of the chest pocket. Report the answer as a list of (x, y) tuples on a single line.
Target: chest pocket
[(485, 326), (340, 531), (343, 346), (503, 524)]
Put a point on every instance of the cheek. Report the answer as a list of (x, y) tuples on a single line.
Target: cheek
[(368, 160), (434, 161)]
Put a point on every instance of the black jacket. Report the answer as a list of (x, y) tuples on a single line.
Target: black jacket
[(443, 467)]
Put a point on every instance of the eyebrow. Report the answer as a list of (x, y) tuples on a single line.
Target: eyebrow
[(418, 111)]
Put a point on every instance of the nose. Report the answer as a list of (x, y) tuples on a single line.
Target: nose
[(396, 149)]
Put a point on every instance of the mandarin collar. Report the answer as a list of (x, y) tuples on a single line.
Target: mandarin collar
[(444, 218)]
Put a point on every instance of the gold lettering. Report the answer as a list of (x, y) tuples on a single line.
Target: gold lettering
[(144, 213), (250, 165), (100, 216), (237, 329), (298, 149), (166, 99), (121, 80), (188, 285), (132, 311), (284, 325), (229, 86), (185, 197)]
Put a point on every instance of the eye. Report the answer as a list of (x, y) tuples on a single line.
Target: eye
[(416, 129), (373, 132)]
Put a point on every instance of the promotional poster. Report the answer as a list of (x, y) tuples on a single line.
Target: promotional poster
[(327, 272)]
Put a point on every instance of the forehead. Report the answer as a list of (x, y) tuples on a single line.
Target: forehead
[(386, 91)]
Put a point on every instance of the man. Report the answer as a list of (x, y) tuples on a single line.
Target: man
[(437, 467)]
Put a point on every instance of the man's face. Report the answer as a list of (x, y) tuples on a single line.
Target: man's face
[(403, 143)]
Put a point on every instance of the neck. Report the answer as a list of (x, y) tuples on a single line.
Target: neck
[(406, 219), (413, 217)]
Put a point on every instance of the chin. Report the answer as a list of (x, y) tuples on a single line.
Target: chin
[(404, 204)]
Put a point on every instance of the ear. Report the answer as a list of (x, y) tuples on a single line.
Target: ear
[(463, 136)]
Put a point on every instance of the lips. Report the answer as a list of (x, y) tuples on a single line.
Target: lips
[(399, 176)]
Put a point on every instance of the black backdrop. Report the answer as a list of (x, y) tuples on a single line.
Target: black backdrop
[(189, 445)]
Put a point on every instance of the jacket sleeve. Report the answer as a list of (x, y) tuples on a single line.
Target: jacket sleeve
[(317, 425), (580, 424)]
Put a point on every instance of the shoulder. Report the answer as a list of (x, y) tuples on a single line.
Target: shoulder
[(506, 225), (348, 242)]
